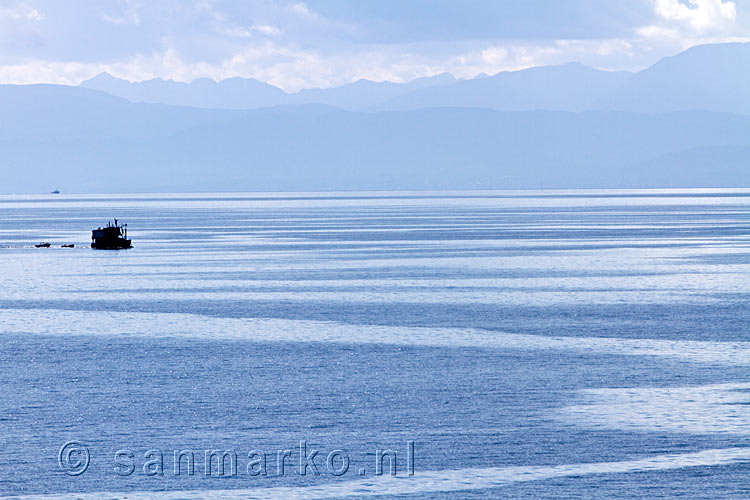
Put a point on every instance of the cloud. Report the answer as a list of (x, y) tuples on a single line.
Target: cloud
[(301, 9), (130, 16), (679, 24), (19, 12), (267, 30), (687, 19), (60, 73), (319, 43), (698, 16)]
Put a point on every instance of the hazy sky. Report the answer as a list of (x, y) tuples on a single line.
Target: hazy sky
[(320, 43)]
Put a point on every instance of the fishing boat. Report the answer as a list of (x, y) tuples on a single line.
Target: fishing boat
[(114, 236), (43, 244)]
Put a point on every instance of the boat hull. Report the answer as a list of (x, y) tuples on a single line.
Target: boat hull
[(118, 244)]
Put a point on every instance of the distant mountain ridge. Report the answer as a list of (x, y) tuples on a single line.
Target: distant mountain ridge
[(568, 87), (81, 140), (667, 126), (708, 77), (248, 93), (232, 93)]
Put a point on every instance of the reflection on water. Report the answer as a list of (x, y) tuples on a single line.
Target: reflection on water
[(452, 481), (176, 325), (722, 408), (520, 337)]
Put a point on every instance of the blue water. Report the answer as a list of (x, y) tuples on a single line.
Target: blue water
[(550, 344)]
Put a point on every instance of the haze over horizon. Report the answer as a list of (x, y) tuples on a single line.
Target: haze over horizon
[(676, 114), (672, 125)]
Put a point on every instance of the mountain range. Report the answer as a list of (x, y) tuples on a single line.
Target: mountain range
[(248, 93), (708, 77), (565, 126)]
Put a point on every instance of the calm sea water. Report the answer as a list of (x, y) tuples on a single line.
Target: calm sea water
[(589, 344)]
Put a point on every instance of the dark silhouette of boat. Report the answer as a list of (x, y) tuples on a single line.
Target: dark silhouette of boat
[(67, 245), (43, 244), (112, 237), (56, 191)]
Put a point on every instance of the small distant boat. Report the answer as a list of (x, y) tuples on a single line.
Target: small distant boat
[(112, 237), (43, 244), (56, 191), (67, 245)]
